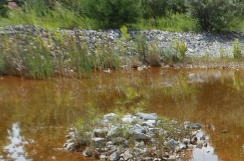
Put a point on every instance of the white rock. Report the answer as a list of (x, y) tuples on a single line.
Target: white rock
[(146, 116), (110, 116)]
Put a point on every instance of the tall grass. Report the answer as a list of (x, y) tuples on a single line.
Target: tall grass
[(39, 14), (172, 22), (59, 54), (32, 60)]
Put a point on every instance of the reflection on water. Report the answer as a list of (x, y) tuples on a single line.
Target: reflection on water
[(205, 153), (46, 108), (15, 149)]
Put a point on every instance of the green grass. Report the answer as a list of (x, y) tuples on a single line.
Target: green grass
[(173, 22), (59, 17), (33, 57)]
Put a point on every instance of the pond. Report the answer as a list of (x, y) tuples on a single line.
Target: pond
[(35, 114)]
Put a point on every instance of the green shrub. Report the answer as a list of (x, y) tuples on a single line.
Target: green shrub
[(214, 15), (3, 8), (112, 13), (181, 48), (154, 8), (178, 6), (237, 49), (124, 33)]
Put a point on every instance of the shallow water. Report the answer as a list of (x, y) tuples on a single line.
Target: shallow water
[(34, 114)]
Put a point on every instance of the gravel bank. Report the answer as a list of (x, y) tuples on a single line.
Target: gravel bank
[(198, 44)]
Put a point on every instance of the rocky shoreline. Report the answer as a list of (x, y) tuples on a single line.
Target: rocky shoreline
[(140, 136), (198, 44)]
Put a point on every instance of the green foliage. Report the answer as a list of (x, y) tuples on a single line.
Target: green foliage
[(38, 13), (178, 6), (181, 48), (173, 22), (124, 33), (154, 8), (3, 8), (237, 49), (214, 15), (112, 13)]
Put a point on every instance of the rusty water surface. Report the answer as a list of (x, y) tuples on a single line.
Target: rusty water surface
[(35, 114)]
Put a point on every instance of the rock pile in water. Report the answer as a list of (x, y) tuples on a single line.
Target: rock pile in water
[(141, 136)]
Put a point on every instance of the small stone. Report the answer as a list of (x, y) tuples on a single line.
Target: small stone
[(114, 131), (172, 143), (146, 116), (69, 146), (150, 123), (110, 116), (140, 144), (98, 140), (194, 140), (87, 152), (100, 133), (129, 119), (180, 147), (137, 129), (102, 157), (127, 155), (191, 125), (114, 156), (118, 140), (186, 141), (140, 136)]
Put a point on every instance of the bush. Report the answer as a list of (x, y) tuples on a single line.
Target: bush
[(214, 15), (154, 8), (112, 13), (178, 6), (181, 48), (3, 8)]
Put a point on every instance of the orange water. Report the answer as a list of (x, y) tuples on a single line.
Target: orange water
[(35, 114)]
